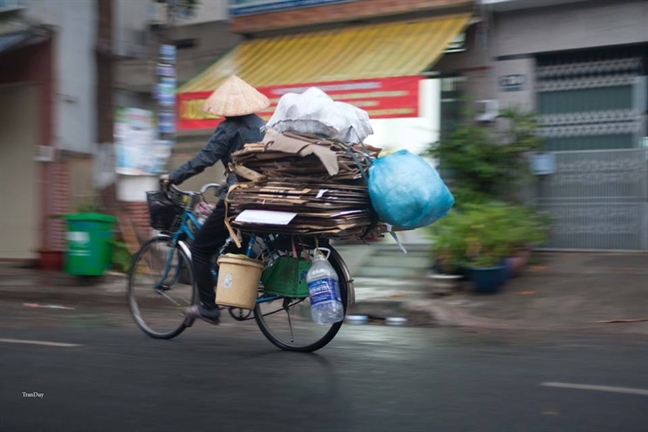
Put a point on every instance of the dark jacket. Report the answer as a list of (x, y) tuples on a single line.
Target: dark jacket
[(228, 137)]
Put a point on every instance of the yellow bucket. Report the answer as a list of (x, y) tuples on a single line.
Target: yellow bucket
[(238, 281)]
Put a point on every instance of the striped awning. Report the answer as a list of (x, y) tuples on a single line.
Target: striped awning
[(368, 51)]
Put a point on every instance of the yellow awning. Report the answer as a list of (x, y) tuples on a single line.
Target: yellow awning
[(351, 53)]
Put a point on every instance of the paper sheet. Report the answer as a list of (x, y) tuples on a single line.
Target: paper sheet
[(321, 193), (266, 217)]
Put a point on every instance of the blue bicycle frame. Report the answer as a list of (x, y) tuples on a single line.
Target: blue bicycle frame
[(184, 230)]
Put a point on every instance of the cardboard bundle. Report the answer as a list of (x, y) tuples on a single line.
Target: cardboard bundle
[(290, 155), (319, 181)]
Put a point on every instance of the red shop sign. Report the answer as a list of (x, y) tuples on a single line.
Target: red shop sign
[(382, 98)]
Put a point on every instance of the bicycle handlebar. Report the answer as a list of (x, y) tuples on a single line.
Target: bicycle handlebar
[(164, 186), (208, 186)]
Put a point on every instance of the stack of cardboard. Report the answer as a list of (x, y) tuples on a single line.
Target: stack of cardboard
[(291, 155), (320, 181)]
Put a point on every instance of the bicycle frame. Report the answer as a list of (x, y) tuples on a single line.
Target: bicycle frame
[(264, 245), (183, 230)]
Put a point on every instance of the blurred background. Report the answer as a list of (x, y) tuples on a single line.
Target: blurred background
[(535, 113), (100, 97)]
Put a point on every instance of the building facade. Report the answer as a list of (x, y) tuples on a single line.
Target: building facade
[(199, 38), (47, 126), (372, 53), (582, 66)]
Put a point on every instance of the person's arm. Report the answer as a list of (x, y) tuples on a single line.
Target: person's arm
[(214, 151)]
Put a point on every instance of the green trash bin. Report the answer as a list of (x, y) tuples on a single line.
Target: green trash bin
[(89, 244)]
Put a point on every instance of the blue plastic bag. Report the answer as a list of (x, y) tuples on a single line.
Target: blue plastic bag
[(407, 192)]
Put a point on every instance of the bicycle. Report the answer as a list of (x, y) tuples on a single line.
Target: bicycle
[(161, 283)]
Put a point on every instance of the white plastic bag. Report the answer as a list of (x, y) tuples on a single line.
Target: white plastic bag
[(314, 112)]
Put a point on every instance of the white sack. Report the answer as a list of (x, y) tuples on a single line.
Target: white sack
[(315, 112)]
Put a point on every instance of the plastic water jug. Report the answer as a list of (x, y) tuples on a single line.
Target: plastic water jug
[(324, 290)]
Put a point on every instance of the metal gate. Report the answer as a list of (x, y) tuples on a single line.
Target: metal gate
[(598, 200), (590, 107)]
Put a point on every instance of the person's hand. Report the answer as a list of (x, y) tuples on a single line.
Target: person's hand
[(204, 209), (164, 180)]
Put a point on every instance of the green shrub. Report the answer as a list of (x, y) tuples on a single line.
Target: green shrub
[(481, 235), (482, 163), (121, 257)]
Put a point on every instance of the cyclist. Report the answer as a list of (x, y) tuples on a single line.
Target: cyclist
[(238, 102)]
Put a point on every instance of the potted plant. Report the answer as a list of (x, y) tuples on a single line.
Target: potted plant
[(486, 234), (473, 241), (448, 248), (487, 272), (527, 228), (483, 166), (485, 242)]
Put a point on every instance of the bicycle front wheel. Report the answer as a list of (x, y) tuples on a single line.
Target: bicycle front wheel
[(287, 322), (160, 288)]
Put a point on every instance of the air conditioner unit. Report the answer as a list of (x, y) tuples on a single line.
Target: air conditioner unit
[(45, 153), (458, 44), (487, 110)]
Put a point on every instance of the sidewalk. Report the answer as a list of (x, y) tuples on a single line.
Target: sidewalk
[(561, 291), (31, 285)]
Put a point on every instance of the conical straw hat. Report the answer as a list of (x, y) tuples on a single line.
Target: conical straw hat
[(235, 97)]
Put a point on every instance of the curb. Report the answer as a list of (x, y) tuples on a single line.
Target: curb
[(89, 296), (382, 312), (56, 287), (110, 290), (404, 313), (114, 294)]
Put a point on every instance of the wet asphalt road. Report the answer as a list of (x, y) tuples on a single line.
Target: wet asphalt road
[(370, 378)]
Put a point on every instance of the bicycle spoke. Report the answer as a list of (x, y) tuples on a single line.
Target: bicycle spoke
[(292, 335), (294, 331), (169, 298), (156, 293)]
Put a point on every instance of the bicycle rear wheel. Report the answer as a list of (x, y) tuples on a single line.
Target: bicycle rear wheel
[(160, 288), (287, 322)]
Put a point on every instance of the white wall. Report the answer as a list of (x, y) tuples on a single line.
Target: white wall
[(74, 69), (131, 23), (130, 19), (134, 188), (208, 10), (413, 134), (572, 26)]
